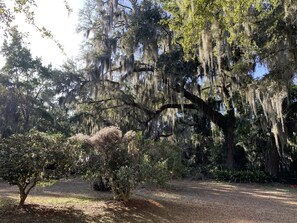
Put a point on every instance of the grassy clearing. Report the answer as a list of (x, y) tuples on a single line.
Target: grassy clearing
[(46, 200)]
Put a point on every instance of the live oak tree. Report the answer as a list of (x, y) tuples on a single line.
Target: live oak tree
[(208, 67), (130, 51), (256, 32)]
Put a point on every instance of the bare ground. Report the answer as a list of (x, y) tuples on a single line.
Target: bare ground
[(183, 201)]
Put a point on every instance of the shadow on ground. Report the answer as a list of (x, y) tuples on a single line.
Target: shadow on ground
[(184, 201), (135, 210), (138, 210), (41, 214)]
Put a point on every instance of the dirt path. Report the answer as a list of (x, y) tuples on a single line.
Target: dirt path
[(184, 201)]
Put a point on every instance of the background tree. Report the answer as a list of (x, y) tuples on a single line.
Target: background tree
[(20, 78), (30, 91), (254, 32), (150, 78), (137, 73)]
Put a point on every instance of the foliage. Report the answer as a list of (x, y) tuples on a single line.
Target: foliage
[(27, 159), (126, 161), (230, 38), (108, 154), (20, 80), (195, 99), (141, 80), (239, 176), (161, 161), (154, 172), (29, 91)]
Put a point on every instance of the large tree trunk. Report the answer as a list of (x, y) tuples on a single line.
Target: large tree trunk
[(272, 160), (229, 145), (225, 122)]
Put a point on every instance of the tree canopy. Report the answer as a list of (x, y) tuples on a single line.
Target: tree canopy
[(146, 59)]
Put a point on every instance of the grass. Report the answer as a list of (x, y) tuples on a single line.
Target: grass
[(48, 200)]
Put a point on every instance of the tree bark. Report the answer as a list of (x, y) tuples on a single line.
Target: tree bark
[(225, 122), (23, 197), (25, 190), (272, 161), (229, 145)]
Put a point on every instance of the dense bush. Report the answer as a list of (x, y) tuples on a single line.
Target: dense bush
[(26, 159), (161, 161), (110, 155), (241, 176), (154, 172), (126, 160)]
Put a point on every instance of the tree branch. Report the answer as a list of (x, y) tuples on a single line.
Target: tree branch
[(213, 115), (179, 106)]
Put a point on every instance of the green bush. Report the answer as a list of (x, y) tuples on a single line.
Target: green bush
[(124, 180), (241, 176), (126, 160), (110, 155), (26, 159), (154, 172), (161, 161)]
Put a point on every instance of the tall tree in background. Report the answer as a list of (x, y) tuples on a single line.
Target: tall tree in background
[(258, 32), (130, 50), (135, 69), (29, 91), (21, 86)]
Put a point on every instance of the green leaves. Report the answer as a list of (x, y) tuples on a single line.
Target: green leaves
[(33, 155), (26, 159)]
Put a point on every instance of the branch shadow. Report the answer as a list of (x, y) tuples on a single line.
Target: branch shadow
[(145, 210), (41, 214)]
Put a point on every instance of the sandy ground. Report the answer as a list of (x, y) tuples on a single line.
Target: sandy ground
[(182, 201)]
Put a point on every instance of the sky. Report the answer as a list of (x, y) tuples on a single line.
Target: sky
[(53, 15)]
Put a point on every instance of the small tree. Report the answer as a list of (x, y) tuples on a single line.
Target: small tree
[(126, 160), (26, 159), (111, 157)]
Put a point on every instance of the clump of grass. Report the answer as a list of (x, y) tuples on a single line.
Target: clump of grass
[(4, 202)]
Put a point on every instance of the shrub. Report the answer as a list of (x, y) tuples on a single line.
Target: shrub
[(123, 181), (241, 176), (109, 154), (161, 161), (154, 172), (26, 159), (127, 160)]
